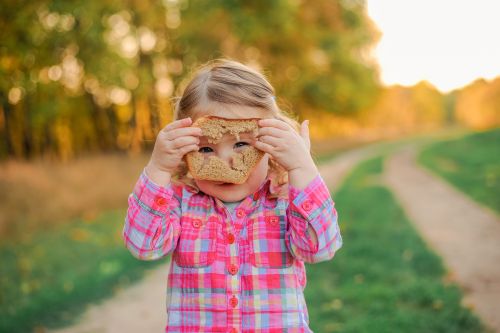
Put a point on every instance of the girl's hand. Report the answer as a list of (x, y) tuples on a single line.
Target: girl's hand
[(285, 145), (172, 143), (288, 148)]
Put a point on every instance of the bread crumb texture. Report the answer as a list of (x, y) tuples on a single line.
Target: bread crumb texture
[(215, 128), (215, 169)]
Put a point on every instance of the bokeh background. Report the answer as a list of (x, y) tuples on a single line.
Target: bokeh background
[(85, 86)]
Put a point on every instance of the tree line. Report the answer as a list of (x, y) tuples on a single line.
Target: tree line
[(99, 76), (85, 76)]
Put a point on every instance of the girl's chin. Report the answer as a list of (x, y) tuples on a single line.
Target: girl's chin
[(229, 192)]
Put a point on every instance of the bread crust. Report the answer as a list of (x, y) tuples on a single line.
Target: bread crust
[(215, 169)]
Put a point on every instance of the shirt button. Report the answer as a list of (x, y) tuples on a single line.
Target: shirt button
[(273, 220), (160, 201), (307, 205), (230, 238), (233, 302), (196, 223), (240, 213), (233, 269)]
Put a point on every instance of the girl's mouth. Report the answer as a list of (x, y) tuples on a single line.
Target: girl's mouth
[(223, 184)]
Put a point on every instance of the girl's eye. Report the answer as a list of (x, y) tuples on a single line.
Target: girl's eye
[(205, 150), (240, 144)]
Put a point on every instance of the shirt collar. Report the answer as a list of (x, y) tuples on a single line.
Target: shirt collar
[(270, 186)]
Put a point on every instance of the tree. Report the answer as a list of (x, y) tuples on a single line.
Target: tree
[(80, 76), (478, 104)]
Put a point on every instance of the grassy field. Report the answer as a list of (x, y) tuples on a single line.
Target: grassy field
[(41, 194), (384, 279), (47, 278), (471, 163)]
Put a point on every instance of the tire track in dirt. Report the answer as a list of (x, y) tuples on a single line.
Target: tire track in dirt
[(465, 234)]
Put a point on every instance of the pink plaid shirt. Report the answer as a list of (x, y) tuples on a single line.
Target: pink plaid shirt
[(233, 271)]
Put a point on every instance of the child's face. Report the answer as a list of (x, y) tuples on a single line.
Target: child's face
[(234, 192), (225, 150)]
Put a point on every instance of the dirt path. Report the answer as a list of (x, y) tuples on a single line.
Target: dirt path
[(141, 308), (465, 234)]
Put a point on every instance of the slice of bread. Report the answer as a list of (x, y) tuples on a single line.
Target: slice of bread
[(215, 169)]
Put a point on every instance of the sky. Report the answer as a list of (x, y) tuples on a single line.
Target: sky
[(449, 43)]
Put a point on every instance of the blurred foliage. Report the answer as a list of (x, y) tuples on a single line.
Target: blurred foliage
[(396, 111), (478, 104), (97, 76), (407, 108)]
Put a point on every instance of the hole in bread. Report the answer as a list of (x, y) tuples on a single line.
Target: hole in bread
[(214, 168), (242, 163)]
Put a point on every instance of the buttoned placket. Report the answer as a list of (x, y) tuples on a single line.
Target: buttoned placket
[(233, 228)]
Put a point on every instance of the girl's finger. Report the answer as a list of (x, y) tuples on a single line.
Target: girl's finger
[(184, 141), (186, 149), (183, 131), (273, 131), (266, 148), (177, 124), (270, 140), (270, 122)]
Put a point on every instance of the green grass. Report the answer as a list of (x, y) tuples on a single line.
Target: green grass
[(384, 279), (471, 163), (47, 278)]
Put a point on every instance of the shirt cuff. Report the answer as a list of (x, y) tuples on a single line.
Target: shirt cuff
[(151, 195), (310, 201)]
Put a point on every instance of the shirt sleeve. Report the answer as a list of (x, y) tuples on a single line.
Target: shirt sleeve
[(152, 225), (312, 210)]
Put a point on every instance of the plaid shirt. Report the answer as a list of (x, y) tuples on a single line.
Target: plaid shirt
[(239, 271)]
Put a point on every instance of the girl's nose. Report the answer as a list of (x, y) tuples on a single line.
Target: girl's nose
[(226, 155)]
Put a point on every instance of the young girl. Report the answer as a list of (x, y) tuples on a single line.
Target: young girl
[(238, 251)]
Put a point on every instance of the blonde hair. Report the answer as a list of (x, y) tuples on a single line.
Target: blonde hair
[(230, 82)]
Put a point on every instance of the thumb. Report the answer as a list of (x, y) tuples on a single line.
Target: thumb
[(304, 133)]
